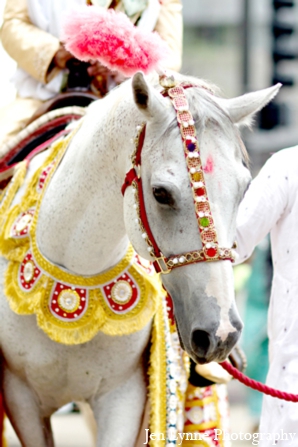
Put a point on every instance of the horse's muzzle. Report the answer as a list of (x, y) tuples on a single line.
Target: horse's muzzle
[(207, 347)]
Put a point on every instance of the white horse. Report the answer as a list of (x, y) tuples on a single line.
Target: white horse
[(85, 226)]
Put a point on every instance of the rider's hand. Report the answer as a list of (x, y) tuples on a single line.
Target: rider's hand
[(97, 69), (61, 57)]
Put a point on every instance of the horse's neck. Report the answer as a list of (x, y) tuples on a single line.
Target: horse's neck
[(81, 224)]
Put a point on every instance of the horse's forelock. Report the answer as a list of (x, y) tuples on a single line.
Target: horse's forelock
[(204, 108)]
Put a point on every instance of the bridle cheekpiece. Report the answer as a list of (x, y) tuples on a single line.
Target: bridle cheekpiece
[(210, 249)]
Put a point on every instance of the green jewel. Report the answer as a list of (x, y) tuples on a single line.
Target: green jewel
[(204, 222)]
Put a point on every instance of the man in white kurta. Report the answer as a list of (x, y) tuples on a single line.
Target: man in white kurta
[(271, 206)]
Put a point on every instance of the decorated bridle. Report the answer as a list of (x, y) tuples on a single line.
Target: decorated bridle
[(210, 249)]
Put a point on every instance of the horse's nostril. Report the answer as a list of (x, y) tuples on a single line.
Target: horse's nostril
[(200, 342)]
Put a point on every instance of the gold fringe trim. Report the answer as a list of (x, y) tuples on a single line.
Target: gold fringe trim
[(73, 332), (98, 315), (157, 378), (8, 194), (14, 248), (151, 293), (11, 248), (21, 302)]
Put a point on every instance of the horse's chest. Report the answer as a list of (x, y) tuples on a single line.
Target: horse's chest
[(60, 373)]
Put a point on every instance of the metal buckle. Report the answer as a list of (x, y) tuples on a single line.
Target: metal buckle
[(167, 81), (162, 263)]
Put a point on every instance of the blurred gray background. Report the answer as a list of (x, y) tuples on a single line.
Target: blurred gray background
[(230, 43)]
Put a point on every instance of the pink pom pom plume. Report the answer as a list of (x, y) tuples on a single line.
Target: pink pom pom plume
[(93, 33)]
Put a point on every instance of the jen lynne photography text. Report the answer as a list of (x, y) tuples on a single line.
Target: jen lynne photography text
[(255, 438)]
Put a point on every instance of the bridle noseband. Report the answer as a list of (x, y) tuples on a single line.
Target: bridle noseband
[(210, 249)]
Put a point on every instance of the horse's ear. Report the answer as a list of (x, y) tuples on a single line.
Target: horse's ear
[(148, 101), (242, 108)]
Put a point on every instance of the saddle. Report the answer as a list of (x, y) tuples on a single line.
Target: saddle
[(48, 123)]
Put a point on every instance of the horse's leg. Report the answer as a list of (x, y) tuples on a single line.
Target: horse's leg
[(22, 408), (119, 413), (142, 436)]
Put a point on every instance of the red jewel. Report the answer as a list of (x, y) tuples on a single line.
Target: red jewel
[(211, 252), (200, 192)]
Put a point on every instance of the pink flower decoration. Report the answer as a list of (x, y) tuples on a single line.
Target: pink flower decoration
[(93, 33)]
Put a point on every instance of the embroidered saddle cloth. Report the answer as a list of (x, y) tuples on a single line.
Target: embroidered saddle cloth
[(69, 308)]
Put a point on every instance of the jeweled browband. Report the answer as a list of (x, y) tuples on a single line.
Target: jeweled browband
[(210, 250)]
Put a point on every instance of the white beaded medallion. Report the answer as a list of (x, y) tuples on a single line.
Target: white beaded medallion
[(121, 292), (20, 227), (69, 300), (23, 222), (29, 271), (68, 303)]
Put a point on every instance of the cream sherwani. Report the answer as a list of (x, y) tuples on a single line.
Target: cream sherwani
[(271, 206), (34, 48)]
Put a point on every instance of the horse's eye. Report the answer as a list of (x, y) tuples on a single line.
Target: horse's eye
[(163, 196)]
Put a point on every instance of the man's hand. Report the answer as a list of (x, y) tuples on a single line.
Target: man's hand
[(97, 69), (61, 57)]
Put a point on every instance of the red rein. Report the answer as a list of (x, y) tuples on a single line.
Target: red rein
[(257, 385)]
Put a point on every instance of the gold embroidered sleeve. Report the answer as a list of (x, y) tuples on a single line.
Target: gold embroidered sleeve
[(170, 28), (32, 48)]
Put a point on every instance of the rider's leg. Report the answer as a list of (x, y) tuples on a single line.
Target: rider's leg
[(32, 428)]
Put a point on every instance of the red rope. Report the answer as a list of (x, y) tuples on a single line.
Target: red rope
[(257, 385)]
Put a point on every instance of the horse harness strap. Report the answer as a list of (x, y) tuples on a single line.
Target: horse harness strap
[(210, 249)]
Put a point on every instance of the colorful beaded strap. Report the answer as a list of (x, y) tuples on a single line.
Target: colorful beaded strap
[(210, 249)]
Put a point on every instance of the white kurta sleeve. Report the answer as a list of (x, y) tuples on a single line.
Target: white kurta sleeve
[(262, 206)]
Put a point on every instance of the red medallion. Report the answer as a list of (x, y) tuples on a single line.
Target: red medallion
[(122, 294), (20, 227), (43, 176), (29, 273), (68, 303)]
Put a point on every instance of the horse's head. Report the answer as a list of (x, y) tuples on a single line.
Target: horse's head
[(202, 292)]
